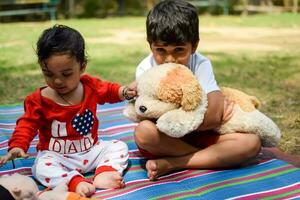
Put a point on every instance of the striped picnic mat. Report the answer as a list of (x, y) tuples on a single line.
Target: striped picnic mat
[(270, 179)]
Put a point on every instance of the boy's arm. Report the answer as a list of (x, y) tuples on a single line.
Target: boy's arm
[(214, 113)]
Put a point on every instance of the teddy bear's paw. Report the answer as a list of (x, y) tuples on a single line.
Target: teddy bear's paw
[(271, 136), (178, 123), (60, 192)]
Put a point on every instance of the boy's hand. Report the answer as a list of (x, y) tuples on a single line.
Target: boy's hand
[(228, 110), (12, 154)]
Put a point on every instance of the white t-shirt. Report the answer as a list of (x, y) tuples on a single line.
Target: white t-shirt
[(198, 64)]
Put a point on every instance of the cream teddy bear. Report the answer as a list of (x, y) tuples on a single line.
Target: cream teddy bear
[(21, 187), (172, 95), (60, 192), (18, 187)]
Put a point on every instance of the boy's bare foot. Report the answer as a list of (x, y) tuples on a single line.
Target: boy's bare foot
[(110, 179), (158, 167), (85, 189)]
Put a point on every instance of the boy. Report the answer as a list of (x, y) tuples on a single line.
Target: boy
[(173, 35)]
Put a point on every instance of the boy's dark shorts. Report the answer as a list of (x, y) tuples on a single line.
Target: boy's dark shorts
[(200, 140)]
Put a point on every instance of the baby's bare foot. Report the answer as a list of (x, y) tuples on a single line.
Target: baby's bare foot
[(85, 189), (110, 179), (156, 168)]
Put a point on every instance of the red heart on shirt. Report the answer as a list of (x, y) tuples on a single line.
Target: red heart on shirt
[(47, 180), (48, 163), (85, 162)]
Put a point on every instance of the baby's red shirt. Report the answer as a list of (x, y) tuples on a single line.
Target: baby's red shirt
[(63, 129)]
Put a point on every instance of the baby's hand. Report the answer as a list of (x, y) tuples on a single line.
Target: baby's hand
[(130, 91), (15, 152), (85, 189), (228, 110)]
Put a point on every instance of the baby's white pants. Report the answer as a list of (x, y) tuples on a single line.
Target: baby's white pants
[(51, 168)]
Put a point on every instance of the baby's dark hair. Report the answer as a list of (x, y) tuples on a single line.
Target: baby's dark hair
[(61, 39), (173, 22)]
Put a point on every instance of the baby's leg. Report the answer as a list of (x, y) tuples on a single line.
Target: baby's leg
[(51, 169), (111, 165), (109, 179)]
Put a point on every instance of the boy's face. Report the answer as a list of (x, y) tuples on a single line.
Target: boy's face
[(166, 53), (62, 73)]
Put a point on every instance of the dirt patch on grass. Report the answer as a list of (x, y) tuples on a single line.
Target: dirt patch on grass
[(123, 37), (255, 39), (224, 39), (13, 43)]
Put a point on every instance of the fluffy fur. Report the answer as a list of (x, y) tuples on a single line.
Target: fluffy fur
[(172, 95), (20, 186), (60, 192), (23, 187)]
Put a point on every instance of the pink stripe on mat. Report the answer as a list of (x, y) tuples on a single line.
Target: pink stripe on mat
[(23, 170), (235, 180), (270, 193), (141, 184)]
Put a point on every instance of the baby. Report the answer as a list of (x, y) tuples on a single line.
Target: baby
[(63, 114)]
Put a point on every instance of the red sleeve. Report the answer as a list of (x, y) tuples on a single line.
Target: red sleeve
[(27, 125), (107, 92)]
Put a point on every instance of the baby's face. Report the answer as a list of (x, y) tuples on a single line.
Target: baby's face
[(167, 53), (62, 73)]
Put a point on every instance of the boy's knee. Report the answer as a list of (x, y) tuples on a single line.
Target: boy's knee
[(145, 132), (251, 144)]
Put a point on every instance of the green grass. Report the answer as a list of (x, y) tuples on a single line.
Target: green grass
[(116, 45), (283, 20)]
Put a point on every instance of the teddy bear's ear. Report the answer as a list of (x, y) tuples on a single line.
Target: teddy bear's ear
[(169, 90), (192, 92), (180, 86)]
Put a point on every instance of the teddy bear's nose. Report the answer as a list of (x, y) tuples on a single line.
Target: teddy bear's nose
[(143, 109)]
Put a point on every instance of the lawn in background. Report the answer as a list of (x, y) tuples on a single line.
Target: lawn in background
[(257, 54)]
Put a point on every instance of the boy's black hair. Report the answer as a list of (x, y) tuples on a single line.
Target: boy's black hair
[(173, 22), (61, 39)]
